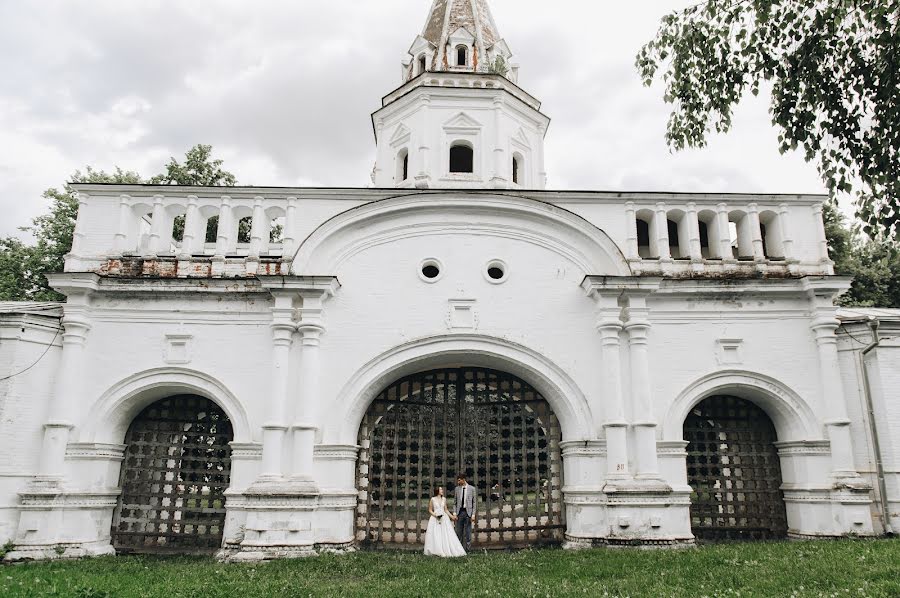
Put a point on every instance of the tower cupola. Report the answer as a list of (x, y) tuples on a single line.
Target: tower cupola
[(459, 119)]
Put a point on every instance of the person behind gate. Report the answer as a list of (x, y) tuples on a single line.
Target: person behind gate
[(464, 510)]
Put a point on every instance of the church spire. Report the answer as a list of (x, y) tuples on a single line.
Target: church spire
[(459, 36)]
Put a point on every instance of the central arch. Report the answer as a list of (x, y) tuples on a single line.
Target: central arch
[(576, 419), (492, 426)]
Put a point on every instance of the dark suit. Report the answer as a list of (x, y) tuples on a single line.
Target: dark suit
[(464, 508)]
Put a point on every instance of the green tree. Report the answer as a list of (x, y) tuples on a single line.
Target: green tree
[(873, 264), (23, 267), (199, 170), (833, 68)]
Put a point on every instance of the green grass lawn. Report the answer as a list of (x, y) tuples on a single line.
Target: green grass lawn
[(830, 568)]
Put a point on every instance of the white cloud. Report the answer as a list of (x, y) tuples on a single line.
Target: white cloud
[(283, 90)]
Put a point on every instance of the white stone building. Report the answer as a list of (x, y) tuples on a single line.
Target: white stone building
[(607, 368)]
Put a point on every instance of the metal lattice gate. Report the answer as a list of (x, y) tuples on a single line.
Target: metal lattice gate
[(424, 429), (734, 472), (177, 467)]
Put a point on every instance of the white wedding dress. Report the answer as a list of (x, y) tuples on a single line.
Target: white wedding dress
[(440, 536)]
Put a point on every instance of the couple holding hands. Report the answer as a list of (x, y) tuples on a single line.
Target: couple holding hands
[(441, 537)]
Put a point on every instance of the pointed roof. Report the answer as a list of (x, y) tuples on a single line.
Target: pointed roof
[(447, 16)]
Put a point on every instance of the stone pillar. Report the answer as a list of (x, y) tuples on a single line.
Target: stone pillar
[(423, 177), (224, 232), (289, 243), (631, 240), (759, 250), (837, 421), (305, 426), (66, 401), (283, 328), (541, 182), (724, 240), (156, 227), (693, 223), (257, 229), (821, 239), (78, 235), (191, 229), (786, 238), (609, 324), (662, 233), (638, 327), (501, 165), (121, 239)]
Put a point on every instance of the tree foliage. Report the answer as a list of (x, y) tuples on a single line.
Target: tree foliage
[(199, 170), (873, 264), (833, 68), (23, 267)]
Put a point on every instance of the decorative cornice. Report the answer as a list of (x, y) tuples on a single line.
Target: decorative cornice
[(336, 452), (95, 451)]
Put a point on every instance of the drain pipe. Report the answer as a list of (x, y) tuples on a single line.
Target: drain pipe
[(873, 428)]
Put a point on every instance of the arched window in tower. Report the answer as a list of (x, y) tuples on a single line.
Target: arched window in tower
[(462, 56), (402, 165), (517, 169), (423, 64), (462, 158)]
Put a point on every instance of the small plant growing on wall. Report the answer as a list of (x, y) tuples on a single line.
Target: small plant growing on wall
[(499, 67)]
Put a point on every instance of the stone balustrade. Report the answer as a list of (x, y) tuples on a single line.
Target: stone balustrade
[(135, 230)]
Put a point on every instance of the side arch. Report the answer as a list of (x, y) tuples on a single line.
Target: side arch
[(113, 412), (793, 418), (507, 216), (565, 398)]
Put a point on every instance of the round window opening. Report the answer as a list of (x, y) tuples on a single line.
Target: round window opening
[(496, 272), (430, 270)]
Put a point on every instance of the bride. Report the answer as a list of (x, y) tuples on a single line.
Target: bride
[(440, 537)]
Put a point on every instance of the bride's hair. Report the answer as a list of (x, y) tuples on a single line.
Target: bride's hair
[(436, 491)]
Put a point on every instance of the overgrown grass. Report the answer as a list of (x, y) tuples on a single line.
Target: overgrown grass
[(838, 568)]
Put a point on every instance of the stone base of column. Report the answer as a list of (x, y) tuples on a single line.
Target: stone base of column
[(828, 512), (639, 515), (286, 523), (59, 524)]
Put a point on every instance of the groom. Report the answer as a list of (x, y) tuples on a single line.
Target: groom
[(464, 509)]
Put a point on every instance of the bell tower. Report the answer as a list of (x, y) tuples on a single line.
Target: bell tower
[(459, 119)]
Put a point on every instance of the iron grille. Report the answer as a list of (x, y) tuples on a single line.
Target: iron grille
[(734, 472), (422, 430), (177, 467)]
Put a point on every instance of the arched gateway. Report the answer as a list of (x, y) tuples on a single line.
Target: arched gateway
[(425, 428), (734, 471), (176, 469)]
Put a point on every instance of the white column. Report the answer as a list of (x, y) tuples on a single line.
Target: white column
[(78, 235), (156, 226), (821, 239), (834, 402), (693, 223), (631, 240), (724, 240), (500, 166), (427, 141), (191, 229), (541, 182), (257, 228), (644, 422), (786, 239), (759, 250), (609, 324), (312, 327), (290, 225), (66, 400), (224, 232), (662, 233), (121, 240), (283, 328)]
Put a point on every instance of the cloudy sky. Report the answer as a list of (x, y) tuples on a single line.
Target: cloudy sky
[(283, 90)]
